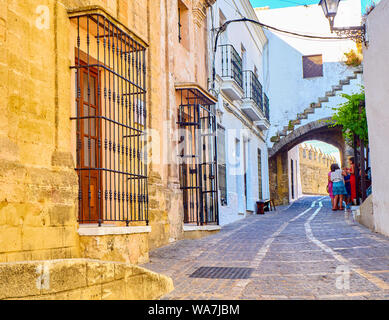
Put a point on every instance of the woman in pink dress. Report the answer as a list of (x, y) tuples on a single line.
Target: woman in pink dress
[(330, 189)]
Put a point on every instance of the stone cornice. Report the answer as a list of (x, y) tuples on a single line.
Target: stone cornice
[(199, 10)]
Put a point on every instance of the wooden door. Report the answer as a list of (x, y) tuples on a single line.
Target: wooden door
[(89, 159)]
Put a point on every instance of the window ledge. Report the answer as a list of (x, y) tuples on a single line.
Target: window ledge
[(86, 230), (188, 228)]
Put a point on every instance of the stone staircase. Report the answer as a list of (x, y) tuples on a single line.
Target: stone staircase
[(293, 124)]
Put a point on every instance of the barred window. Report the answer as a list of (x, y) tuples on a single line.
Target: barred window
[(110, 119), (198, 156)]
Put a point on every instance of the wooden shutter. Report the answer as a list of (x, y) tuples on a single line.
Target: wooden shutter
[(313, 66)]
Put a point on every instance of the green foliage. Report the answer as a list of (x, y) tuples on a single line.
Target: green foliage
[(353, 59), (348, 116)]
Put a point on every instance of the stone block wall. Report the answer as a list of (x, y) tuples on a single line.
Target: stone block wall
[(279, 181), (314, 167), (38, 183), (80, 279)]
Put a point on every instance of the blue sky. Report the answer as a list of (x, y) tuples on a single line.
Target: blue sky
[(273, 4)]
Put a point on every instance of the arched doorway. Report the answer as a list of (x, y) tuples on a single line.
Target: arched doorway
[(309, 164), (279, 162)]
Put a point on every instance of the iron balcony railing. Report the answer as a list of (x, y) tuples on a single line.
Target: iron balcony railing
[(231, 64), (252, 88), (266, 106)]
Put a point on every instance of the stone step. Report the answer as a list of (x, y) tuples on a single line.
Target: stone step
[(302, 116), (284, 132), (344, 82), (297, 122), (358, 71), (337, 88), (317, 105), (352, 77), (330, 94), (321, 100), (309, 111)]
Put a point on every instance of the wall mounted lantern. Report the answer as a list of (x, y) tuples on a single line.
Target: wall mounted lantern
[(330, 9)]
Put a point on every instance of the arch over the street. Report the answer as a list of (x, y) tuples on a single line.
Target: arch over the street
[(321, 130)]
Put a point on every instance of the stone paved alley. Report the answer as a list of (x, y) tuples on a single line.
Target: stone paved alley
[(299, 252)]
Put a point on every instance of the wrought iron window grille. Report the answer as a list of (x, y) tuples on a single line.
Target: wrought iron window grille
[(198, 165), (110, 117)]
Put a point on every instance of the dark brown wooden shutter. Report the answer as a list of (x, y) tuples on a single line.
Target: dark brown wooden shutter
[(313, 66)]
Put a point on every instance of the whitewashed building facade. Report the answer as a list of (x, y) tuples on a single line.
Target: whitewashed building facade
[(377, 109), (242, 110), (306, 77)]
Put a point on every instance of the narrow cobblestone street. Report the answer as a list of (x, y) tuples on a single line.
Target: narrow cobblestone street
[(300, 252)]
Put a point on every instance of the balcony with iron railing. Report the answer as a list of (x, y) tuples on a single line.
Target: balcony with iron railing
[(264, 123), (231, 72), (252, 100)]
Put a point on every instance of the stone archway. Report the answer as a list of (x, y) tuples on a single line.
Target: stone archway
[(321, 130)]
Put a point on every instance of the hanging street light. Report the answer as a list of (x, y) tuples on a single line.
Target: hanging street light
[(330, 9)]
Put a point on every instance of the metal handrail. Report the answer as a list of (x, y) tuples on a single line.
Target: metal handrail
[(253, 88), (231, 64)]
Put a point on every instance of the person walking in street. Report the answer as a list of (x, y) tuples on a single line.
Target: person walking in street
[(347, 185), (338, 188), (351, 172), (329, 189)]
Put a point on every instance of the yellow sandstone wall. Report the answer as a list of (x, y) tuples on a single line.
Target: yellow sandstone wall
[(38, 183), (314, 172), (80, 279)]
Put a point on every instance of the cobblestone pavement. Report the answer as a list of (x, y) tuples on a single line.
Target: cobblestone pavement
[(302, 252)]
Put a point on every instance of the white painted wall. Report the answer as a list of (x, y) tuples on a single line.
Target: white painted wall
[(376, 76), (294, 155), (237, 205), (235, 122), (248, 34), (289, 92)]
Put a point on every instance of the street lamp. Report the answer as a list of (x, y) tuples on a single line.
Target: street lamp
[(330, 9)]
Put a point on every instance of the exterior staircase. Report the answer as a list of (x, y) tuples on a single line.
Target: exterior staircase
[(293, 124)]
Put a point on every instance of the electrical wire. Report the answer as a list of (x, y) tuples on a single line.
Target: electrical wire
[(224, 26)]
